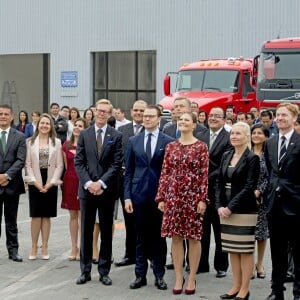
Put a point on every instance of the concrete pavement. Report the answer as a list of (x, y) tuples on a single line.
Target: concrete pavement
[(55, 279)]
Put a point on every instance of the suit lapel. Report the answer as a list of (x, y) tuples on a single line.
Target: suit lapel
[(290, 147), (107, 137), (10, 140), (92, 139), (218, 140), (159, 143), (241, 161), (226, 163)]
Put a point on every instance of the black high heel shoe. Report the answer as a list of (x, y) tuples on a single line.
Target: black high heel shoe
[(229, 296), (245, 298), (260, 275)]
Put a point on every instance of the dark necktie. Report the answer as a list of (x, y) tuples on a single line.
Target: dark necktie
[(3, 140), (99, 142), (137, 129), (282, 150), (148, 147)]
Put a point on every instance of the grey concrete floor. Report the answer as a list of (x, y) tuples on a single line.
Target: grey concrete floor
[(55, 279)]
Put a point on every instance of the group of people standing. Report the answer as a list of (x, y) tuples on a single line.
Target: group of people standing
[(179, 179)]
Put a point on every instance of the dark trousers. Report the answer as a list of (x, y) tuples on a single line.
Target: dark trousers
[(10, 204), (282, 233), (105, 207), (130, 239), (149, 243), (211, 218)]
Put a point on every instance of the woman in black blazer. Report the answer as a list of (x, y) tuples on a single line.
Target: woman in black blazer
[(237, 208)]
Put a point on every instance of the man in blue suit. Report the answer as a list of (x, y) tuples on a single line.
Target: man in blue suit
[(144, 159)]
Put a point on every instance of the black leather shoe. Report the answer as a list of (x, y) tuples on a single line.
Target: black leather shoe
[(289, 277), (229, 296), (84, 277), (105, 280), (160, 283), (125, 262), (221, 274), (138, 283), (170, 266), (15, 257), (275, 296)]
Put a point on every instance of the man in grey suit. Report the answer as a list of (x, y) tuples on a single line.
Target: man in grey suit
[(217, 140), (128, 130), (98, 162), (181, 105), (12, 160)]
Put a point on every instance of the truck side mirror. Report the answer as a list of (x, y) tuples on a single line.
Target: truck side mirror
[(167, 85)]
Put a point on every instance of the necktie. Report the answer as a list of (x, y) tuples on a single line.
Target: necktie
[(282, 149), (148, 147), (212, 139), (99, 142), (137, 129), (3, 140)]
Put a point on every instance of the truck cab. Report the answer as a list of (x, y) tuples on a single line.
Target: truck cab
[(278, 77), (215, 82)]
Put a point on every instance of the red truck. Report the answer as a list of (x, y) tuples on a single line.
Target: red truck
[(278, 67), (215, 82)]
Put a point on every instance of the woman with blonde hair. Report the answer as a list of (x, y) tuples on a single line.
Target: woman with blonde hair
[(237, 208), (43, 168)]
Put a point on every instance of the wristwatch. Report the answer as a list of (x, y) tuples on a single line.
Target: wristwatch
[(7, 177)]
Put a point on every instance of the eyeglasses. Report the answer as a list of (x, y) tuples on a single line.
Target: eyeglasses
[(138, 110), (216, 116), (149, 116), (101, 111)]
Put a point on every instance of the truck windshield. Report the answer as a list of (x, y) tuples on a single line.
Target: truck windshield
[(279, 66), (208, 80)]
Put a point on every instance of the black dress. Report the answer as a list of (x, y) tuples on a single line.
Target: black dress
[(43, 205), (237, 231)]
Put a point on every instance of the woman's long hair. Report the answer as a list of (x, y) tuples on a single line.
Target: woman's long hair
[(52, 133), (70, 143)]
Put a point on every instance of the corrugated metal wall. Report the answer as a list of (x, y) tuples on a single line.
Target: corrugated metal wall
[(179, 30)]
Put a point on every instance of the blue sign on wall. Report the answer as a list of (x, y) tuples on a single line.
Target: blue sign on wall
[(69, 79)]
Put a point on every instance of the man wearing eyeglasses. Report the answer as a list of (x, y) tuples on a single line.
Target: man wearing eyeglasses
[(144, 159), (98, 162), (217, 140)]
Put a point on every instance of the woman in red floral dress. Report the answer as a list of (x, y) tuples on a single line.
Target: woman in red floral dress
[(182, 197)]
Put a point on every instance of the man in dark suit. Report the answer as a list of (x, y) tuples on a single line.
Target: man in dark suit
[(144, 159), (282, 153), (12, 160), (60, 123), (128, 130), (181, 105), (217, 140), (98, 162)]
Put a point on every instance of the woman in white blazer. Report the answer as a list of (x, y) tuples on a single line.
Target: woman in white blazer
[(43, 167)]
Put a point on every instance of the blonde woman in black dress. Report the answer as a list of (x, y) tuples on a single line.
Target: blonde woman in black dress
[(237, 208)]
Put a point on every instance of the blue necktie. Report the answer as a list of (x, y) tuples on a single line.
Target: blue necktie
[(148, 147)]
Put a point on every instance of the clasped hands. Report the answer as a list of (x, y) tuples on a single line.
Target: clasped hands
[(43, 188), (95, 188), (3, 180)]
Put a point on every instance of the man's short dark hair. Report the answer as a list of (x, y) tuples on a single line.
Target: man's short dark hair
[(266, 113), (54, 104)]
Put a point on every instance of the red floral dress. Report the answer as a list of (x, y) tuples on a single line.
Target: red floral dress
[(183, 183)]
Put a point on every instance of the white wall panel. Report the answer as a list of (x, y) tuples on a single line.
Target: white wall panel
[(179, 30)]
